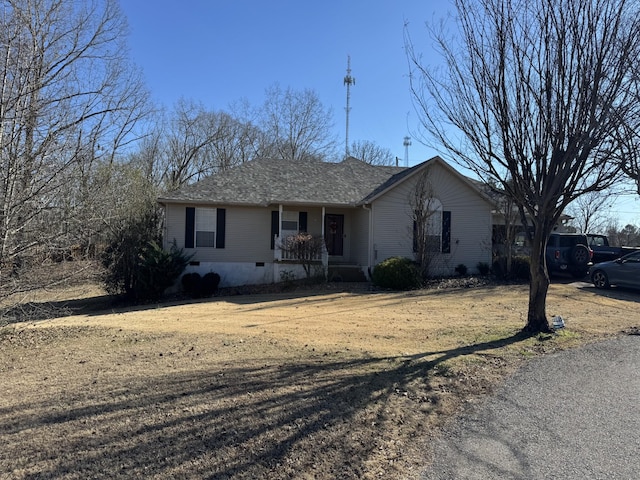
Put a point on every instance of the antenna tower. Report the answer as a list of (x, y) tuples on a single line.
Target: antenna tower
[(348, 81), (407, 144)]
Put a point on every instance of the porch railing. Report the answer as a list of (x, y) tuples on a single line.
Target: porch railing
[(281, 254)]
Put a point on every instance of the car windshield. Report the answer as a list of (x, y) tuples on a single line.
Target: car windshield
[(632, 257)]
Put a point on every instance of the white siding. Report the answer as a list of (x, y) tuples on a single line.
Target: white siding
[(470, 222)]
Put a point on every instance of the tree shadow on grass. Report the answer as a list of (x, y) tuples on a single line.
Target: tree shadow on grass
[(104, 304), (325, 416)]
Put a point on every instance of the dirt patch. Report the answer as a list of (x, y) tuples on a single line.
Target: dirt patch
[(323, 383)]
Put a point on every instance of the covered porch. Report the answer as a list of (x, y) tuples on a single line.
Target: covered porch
[(338, 240)]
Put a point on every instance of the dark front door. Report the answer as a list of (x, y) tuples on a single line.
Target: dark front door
[(334, 234)]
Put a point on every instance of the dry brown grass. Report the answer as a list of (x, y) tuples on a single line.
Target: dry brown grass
[(326, 384)]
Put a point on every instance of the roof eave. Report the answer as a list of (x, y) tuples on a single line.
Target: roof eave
[(266, 203), (193, 201)]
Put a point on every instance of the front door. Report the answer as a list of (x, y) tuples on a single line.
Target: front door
[(334, 234)]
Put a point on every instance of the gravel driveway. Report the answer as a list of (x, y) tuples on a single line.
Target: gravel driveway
[(572, 415)]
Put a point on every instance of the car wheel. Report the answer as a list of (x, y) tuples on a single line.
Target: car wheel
[(580, 255), (600, 279)]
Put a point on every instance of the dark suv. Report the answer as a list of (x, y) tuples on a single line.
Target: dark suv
[(570, 253)]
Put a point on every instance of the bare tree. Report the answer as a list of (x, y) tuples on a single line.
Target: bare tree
[(306, 249), (630, 136), (630, 157), (298, 126), (189, 149), (426, 213), (504, 234), (627, 236), (590, 212), (195, 142), (68, 99), (371, 153), (537, 95)]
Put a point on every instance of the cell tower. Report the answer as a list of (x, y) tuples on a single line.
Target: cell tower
[(407, 144), (348, 81)]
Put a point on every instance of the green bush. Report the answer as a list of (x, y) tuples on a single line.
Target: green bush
[(499, 267), (210, 283), (483, 268), (396, 273), (461, 269), (135, 264), (192, 284), (121, 257), (197, 286), (519, 268), (158, 270)]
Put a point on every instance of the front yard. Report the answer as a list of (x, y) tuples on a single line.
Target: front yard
[(314, 384)]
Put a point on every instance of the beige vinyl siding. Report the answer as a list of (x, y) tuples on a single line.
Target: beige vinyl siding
[(247, 233), (470, 221), (360, 237), (174, 220), (314, 219)]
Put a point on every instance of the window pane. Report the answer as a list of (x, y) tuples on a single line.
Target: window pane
[(432, 243), (205, 219), (289, 225), (205, 239), (434, 224)]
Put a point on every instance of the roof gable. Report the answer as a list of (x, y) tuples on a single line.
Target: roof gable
[(408, 173)]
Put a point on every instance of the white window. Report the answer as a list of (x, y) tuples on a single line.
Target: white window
[(289, 223), (433, 225), (205, 227)]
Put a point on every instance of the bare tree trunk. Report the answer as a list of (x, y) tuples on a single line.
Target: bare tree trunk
[(539, 286)]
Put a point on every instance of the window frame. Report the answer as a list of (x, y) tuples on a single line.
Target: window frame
[(210, 222)]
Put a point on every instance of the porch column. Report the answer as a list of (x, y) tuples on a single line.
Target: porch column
[(277, 251)]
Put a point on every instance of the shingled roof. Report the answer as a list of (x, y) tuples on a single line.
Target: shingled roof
[(274, 181)]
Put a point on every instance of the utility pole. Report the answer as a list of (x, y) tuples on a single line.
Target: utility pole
[(348, 81)]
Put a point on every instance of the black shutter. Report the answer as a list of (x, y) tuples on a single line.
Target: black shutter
[(446, 232), (302, 222), (220, 227), (275, 221), (415, 236), (190, 227)]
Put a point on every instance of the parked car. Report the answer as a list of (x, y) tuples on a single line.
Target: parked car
[(603, 252), (624, 272), (570, 253)]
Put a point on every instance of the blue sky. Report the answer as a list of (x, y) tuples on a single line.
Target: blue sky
[(219, 51)]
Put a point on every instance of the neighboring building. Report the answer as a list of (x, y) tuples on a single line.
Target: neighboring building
[(232, 222)]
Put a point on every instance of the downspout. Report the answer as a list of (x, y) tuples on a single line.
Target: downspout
[(279, 250)]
